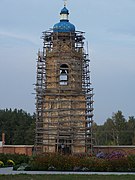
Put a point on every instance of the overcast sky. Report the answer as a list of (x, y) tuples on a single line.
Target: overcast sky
[(110, 31)]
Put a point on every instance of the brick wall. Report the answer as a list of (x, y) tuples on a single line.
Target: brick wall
[(27, 149), (109, 149), (17, 149)]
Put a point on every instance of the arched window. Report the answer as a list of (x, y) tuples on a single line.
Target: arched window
[(63, 74)]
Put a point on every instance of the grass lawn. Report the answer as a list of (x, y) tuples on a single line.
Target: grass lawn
[(67, 177)]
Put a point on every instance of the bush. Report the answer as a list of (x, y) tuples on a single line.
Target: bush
[(10, 162), (54, 161), (119, 165), (116, 155), (131, 162), (61, 162), (76, 163), (57, 161), (1, 164), (68, 163), (16, 158)]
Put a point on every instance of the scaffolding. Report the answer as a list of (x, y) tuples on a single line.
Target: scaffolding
[(61, 125)]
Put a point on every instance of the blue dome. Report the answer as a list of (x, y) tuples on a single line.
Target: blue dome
[(64, 11), (64, 26)]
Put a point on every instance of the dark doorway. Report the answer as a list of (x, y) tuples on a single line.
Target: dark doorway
[(64, 146)]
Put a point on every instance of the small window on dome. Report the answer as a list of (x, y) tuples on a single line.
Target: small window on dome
[(63, 75)]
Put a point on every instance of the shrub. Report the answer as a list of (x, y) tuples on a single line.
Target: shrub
[(17, 158), (57, 161), (10, 162), (119, 165), (131, 162), (68, 163), (1, 164), (116, 155), (77, 163), (101, 165)]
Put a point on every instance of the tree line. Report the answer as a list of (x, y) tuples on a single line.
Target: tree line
[(19, 129), (116, 130), (18, 126)]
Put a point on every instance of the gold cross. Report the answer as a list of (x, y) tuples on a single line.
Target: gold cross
[(65, 3)]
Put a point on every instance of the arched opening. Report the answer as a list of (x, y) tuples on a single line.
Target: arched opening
[(63, 75)]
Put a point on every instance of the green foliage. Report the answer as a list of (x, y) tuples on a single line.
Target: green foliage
[(16, 158), (66, 177), (58, 161), (115, 131), (18, 126), (119, 165), (73, 163), (131, 162), (10, 162), (1, 164)]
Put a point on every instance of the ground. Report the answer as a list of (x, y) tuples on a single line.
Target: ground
[(67, 177)]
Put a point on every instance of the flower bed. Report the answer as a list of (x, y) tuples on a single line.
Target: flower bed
[(59, 162), (7, 160)]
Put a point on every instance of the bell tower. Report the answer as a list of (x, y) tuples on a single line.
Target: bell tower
[(64, 97)]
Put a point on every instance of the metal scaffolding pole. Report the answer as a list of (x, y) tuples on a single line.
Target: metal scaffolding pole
[(49, 126)]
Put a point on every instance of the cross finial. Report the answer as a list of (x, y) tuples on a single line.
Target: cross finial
[(65, 3)]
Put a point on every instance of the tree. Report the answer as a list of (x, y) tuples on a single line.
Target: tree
[(18, 126), (131, 129), (119, 127), (116, 131), (109, 130)]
